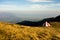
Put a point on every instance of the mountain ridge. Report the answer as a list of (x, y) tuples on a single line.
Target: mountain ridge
[(40, 23)]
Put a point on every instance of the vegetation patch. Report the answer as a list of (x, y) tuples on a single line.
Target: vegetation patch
[(19, 32)]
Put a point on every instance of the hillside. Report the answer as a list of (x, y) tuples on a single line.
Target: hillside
[(40, 23), (19, 32)]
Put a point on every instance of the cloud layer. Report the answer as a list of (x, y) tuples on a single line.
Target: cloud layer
[(45, 5), (25, 5), (40, 0), (6, 7)]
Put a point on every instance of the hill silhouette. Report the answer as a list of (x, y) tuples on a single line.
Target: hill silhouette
[(57, 18), (40, 23)]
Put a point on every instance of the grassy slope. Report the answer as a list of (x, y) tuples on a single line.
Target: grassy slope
[(19, 32)]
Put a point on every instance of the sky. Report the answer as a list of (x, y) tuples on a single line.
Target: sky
[(31, 8), (24, 5)]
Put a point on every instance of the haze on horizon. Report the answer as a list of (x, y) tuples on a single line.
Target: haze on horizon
[(31, 9)]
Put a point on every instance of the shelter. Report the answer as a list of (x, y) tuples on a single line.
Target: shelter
[(46, 24)]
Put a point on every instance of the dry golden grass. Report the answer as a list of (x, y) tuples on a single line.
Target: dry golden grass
[(19, 32), (55, 24)]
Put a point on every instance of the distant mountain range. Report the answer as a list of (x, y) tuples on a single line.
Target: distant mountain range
[(9, 17), (40, 23)]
